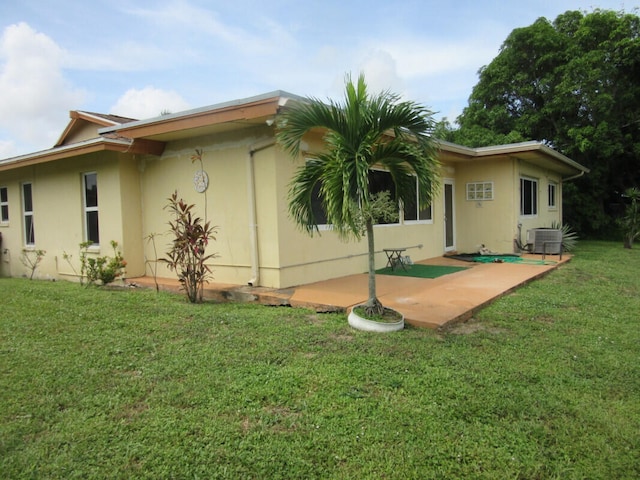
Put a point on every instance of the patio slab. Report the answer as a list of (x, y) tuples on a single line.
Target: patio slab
[(425, 302)]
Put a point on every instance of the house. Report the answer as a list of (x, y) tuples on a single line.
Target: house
[(108, 179)]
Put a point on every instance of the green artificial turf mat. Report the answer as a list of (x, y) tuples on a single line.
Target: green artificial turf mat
[(420, 271)]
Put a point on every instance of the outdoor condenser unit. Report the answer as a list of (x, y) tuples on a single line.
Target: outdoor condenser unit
[(545, 240)]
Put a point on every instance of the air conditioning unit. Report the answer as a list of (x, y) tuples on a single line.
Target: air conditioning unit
[(545, 240)]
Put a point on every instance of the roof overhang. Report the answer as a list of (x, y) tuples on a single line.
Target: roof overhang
[(532, 152), (93, 145), (238, 114)]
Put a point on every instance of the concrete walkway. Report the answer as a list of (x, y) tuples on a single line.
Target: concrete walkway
[(431, 303)]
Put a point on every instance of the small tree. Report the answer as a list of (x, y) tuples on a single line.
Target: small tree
[(363, 132), (31, 259), (187, 255), (630, 223), (153, 264)]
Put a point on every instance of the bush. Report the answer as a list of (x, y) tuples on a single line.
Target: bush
[(187, 256), (102, 269)]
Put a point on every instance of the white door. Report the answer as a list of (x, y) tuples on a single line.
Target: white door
[(449, 216)]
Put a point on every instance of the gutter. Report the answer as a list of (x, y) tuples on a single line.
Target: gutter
[(574, 176), (253, 225)]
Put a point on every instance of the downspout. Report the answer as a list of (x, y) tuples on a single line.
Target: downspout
[(253, 215), (574, 177)]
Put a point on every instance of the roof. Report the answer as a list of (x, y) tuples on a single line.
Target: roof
[(535, 152), (66, 151), (233, 115), (149, 136)]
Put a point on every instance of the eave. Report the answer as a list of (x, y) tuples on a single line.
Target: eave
[(83, 148), (217, 118), (533, 152)]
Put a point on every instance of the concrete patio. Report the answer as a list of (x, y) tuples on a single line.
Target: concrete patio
[(425, 302)]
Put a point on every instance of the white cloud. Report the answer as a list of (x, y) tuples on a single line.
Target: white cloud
[(35, 97), (381, 72), (148, 102), (257, 36), (7, 149), (423, 57)]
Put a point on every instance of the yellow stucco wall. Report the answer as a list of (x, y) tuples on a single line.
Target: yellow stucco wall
[(286, 255), (324, 255), (546, 215), (131, 208), (59, 217), (225, 159), (486, 222)]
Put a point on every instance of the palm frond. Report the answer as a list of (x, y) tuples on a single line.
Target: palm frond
[(363, 132)]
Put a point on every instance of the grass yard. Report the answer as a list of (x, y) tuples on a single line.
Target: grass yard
[(545, 383)]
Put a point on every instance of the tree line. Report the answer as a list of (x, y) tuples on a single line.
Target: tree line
[(574, 84)]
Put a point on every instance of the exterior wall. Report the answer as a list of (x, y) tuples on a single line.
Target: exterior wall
[(225, 203), (286, 255), (130, 205), (12, 231), (546, 215), (492, 223), (83, 131), (306, 259), (59, 217)]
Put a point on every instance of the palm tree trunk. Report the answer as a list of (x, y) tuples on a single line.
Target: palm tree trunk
[(373, 305)]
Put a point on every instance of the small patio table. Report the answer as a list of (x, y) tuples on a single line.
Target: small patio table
[(394, 258)]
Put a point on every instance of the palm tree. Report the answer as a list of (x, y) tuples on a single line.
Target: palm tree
[(365, 131)]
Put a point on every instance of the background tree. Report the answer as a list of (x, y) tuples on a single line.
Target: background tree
[(574, 84), (364, 131), (630, 222)]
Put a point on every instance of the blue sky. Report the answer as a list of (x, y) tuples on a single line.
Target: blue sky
[(139, 58)]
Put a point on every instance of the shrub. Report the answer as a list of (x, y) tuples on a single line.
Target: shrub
[(103, 270), (187, 255), (31, 259)]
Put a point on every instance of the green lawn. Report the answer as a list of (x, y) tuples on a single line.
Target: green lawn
[(545, 383)]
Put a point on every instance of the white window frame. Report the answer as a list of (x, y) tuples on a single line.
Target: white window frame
[(479, 191), (534, 194), (29, 237), (89, 209), (552, 196), (4, 205)]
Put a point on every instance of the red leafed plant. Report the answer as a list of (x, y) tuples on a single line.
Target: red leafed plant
[(188, 253)]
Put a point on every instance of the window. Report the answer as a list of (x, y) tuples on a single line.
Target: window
[(90, 187), (27, 212), (381, 181), (528, 196), (552, 194), (413, 213), (480, 191), (4, 205), (319, 212)]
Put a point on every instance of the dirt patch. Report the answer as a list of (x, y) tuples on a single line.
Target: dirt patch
[(129, 412), (472, 326), (342, 337)]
